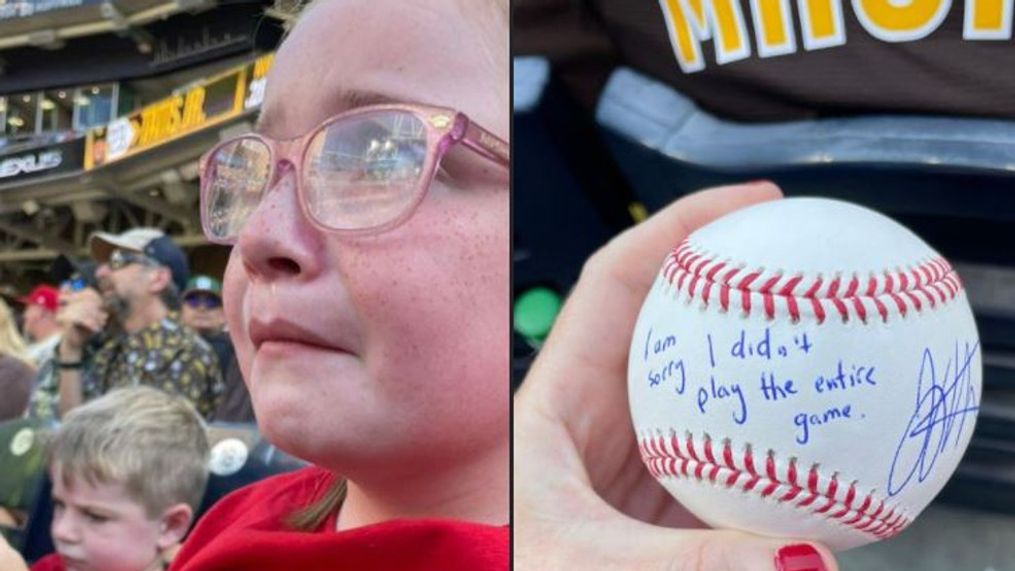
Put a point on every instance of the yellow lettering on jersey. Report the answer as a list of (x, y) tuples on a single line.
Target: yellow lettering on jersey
[(821, 23), (690, 22), (729, 30), (695, 10), (682, 37), (773, 27), (901, 20), (987, 20)]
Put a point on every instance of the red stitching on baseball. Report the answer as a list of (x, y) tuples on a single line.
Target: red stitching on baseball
[(787, 290), (745, 290), (661, 461), (892, 293), (854, 283)]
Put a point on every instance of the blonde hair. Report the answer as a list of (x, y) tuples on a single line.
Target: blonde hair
[(151, 442), (11, 342)]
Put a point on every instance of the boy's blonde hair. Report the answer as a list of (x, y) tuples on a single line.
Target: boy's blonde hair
[(151, 442)]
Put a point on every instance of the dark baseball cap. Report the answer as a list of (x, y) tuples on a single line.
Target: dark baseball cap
[(151, 242)]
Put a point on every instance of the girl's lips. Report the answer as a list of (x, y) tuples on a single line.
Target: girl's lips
[(282, 331)]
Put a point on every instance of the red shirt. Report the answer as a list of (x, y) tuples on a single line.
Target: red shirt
[(51, 562), (245, 530)]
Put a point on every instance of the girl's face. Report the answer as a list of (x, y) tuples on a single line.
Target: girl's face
[(391, 348)]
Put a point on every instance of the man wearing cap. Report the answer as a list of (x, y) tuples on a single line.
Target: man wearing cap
[(202, 307), (140, 275), (40, 324), (202, 312)]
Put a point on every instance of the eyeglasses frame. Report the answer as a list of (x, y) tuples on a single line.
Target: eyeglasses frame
[(135, 258), (445, 128)]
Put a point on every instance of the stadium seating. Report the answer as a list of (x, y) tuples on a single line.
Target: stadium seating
[(667, 146), (240, 456)]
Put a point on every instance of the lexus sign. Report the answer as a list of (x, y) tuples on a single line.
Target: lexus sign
[(42, 161), (31, 163)]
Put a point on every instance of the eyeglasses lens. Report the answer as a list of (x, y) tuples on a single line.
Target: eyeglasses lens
[(238, 174), (358, 172), (365, 171)]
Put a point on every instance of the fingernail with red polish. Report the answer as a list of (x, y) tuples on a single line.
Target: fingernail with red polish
[(801, 557)]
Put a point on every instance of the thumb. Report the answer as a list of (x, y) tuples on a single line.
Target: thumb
[(723, 550)]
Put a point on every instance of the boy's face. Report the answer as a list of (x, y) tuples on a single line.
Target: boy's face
[(98, 527)]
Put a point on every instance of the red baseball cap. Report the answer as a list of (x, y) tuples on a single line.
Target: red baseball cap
[(45, 295)]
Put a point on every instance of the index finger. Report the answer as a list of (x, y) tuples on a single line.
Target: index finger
[(589, 343)]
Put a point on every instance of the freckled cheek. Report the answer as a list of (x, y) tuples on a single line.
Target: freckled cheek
[(234, 294), (443, 315)]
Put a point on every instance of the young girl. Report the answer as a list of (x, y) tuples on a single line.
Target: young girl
[(367, 292)]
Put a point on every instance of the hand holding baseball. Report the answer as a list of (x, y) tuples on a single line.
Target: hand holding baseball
[(583, 497)]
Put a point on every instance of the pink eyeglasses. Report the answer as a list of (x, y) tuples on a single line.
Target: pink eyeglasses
[(360, 172)]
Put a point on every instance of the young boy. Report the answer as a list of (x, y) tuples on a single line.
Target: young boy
[(128, 471)]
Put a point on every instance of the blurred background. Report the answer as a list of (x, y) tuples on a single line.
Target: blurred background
[(607, 130), (105, 108)]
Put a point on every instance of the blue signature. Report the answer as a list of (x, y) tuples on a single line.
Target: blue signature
[(943, 404)]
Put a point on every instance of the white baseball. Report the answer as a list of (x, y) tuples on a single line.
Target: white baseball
[(805, 368)]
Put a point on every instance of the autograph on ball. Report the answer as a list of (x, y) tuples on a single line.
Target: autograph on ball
[(943, 404)]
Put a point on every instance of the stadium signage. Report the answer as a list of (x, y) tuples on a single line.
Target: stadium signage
[(32, 162), (52, 159), (200, 106)]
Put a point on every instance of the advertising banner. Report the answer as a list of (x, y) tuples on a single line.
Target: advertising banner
[(47, 160), (200, 106)]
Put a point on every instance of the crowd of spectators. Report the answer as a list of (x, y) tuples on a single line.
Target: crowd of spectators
[(123, 359), (130, 315)]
